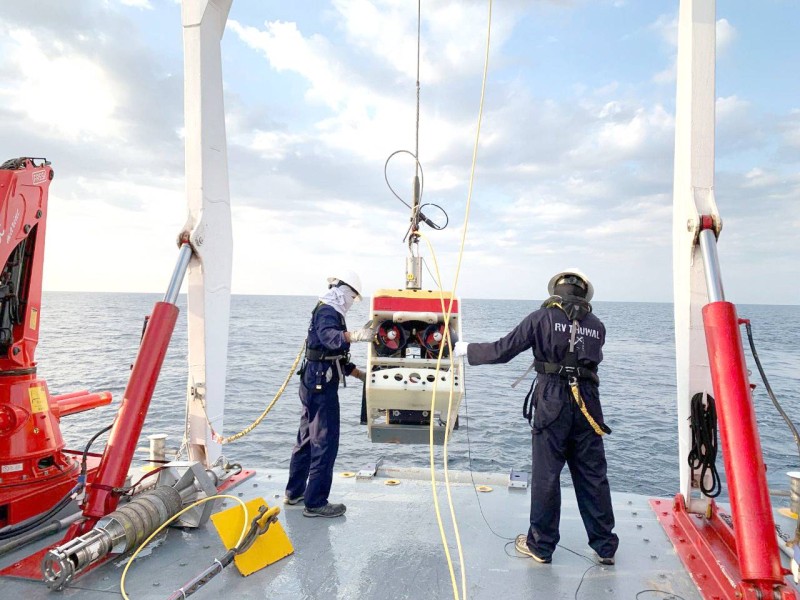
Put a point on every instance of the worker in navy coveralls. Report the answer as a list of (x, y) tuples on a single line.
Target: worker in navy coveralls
[(326, 363), (567, 423)]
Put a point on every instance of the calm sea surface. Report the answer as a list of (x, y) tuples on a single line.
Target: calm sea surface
[(89, 341)]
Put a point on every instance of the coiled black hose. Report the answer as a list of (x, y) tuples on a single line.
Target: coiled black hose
[(703, 454)]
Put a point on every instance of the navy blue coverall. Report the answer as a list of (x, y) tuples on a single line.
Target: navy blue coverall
[(311, 467), (560, 431)]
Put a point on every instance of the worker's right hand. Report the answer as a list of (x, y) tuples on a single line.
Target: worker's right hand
[(359, 374), (365, 334)]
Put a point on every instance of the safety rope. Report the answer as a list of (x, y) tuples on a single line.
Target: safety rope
[(576, 394), (703, 454), (231, 438), (573, 381)]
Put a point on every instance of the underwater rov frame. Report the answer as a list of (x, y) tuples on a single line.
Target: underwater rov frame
[(739, 561), (402, 374)]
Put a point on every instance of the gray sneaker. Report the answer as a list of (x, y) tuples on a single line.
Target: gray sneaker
[(292, 501), (605, 560), (328, 510), (521, 545)]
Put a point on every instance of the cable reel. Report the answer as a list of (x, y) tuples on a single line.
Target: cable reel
[(390, 339)]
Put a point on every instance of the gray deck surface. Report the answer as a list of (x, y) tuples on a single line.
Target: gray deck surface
[(388, 547)]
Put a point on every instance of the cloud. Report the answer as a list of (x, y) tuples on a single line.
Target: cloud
[(574, 160)]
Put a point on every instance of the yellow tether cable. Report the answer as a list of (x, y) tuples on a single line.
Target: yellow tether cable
[(245, 527), (231, 438), (442, 533), (446, 339)]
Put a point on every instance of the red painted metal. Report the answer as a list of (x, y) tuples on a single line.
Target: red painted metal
[(35, 473), (76, 403), (234, 480), (100, 499), (754, 525), (707, 547), (402, 303)]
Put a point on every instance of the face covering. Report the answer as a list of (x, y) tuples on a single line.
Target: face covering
[(340, 298)]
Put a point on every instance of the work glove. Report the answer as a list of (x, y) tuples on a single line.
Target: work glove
[(359, 374), (460, 349), (365, 334)]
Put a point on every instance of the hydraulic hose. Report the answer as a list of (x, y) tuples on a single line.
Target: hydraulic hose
[(768, 388)]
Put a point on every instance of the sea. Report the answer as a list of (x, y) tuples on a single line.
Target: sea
[(90, 340)]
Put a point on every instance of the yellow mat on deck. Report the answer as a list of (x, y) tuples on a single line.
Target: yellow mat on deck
[(267, 549)]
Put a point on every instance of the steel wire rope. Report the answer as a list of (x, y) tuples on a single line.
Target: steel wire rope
[(245, 527)]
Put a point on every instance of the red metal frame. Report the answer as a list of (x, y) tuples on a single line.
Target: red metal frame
[(741, 562)]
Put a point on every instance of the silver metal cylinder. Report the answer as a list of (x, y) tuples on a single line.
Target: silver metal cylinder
[(414, 273), (120, 531), (708, 248), (158, 447), (175, 283), (794, 491)]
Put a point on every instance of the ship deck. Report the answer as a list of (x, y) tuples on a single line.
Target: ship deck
[(388, 546)]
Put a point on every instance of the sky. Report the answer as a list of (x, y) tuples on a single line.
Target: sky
[(574, 161)]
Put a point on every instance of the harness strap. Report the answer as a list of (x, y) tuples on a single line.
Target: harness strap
[(576, 392), (566, 371), (314, 354)]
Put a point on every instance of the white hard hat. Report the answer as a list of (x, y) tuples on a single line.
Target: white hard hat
[(349, 277), (551, 286)]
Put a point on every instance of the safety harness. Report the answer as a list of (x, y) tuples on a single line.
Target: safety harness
[(567, 369), (314, 354)]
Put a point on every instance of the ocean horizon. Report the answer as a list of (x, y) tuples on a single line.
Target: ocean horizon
[(88, 340)]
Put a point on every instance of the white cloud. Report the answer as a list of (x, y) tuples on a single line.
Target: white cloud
[(571, 163), (66, 95)]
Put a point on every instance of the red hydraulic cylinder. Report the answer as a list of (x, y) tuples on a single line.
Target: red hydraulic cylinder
[(753, 523), (124, 436)]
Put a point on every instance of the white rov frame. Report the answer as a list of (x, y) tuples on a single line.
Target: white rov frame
[(395, 384), (208, 225)]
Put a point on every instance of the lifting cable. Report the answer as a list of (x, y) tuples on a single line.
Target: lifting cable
[(447, 341)]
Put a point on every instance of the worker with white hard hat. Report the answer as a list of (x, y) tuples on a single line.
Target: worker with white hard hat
[(327, 362)]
